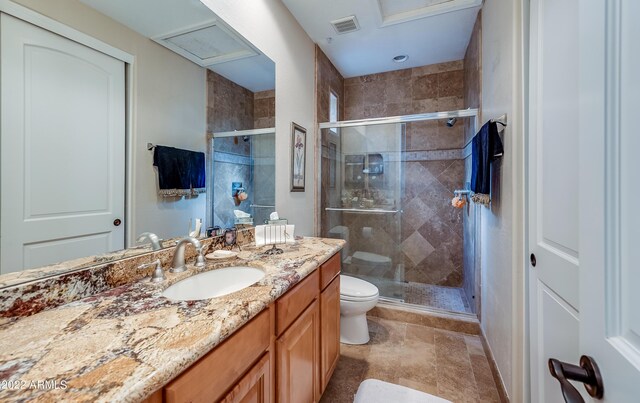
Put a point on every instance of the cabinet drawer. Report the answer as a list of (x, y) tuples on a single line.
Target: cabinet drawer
[(208, 379), (329, 270), (294, 302)]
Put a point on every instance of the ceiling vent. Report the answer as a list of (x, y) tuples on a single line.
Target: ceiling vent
[(345, 25)]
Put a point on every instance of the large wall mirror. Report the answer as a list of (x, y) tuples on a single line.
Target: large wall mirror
[(65, 172)]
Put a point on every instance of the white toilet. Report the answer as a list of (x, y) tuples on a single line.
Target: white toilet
[(357, 297)]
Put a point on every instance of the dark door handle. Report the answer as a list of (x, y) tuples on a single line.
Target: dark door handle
[(587, 373), (117, 222)]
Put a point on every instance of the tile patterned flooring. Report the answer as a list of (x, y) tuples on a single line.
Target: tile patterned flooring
[(443, 363), (436, 296), (451, 299)]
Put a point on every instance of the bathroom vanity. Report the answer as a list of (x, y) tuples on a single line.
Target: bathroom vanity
[(277, 340), (287, 353)]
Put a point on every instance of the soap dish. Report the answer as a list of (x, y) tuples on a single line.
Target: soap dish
[(221, 254)]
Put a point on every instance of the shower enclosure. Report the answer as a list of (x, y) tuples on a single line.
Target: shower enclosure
[(243, 162), (387, 185)]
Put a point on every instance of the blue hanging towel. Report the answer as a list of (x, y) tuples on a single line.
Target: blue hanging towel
[(485, 148), (180, 172)]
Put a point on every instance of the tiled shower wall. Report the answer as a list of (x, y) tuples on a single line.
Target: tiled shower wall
[(264, 109), (430, 242), (470, 215), (328, 79), (233, 107)]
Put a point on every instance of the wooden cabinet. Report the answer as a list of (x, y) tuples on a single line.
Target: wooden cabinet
[(287, 353), (255, 386), (329, 270), (329, 330), (295, 301), (208, 379), (297, 366), (307, 352)]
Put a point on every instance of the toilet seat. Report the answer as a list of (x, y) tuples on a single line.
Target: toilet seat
[(371, 258), (358, 299), (354, 289)]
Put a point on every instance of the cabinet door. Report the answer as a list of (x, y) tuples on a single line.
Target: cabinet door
[(329, 330), (297, 362), (208, 379), (255, 386)]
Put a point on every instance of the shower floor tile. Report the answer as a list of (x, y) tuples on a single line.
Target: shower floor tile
[(434, 296)]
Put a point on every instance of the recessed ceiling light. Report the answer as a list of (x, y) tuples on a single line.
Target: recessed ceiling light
[(400, 58)]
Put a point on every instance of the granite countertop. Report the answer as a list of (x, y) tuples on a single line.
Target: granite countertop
[(125, 343)]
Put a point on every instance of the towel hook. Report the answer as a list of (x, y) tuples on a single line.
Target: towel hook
[(460, 192)]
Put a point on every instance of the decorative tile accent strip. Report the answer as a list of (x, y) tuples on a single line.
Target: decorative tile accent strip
[(231, 158), (466, 152), (433, 155)]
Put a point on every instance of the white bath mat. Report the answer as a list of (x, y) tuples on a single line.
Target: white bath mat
[(376, 391)]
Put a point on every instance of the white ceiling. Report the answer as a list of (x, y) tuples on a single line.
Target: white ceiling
[(428, 31), (213, 44)]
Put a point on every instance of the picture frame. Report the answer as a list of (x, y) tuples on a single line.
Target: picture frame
[(298, 157)]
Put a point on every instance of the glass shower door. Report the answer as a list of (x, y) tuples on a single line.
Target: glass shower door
[(263, 148), (243, 161), (362, 182)]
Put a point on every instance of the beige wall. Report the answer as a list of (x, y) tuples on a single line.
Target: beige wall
[(502, 224), (271, 27), (168, 109)]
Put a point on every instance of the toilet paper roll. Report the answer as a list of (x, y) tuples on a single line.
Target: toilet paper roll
[(367, 232)]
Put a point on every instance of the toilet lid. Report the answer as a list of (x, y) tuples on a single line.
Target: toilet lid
[(354, 288), (371, 257)]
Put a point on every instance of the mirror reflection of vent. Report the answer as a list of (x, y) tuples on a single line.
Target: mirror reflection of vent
[(208, 44), (345, 25)]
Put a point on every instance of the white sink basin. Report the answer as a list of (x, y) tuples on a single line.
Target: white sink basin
[(214, 283)]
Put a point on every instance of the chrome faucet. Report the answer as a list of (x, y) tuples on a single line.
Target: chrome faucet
[(158, 273), (153, 238), (178, 264)]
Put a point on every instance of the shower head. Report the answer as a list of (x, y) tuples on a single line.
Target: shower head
[(245, 138), (451, 122)]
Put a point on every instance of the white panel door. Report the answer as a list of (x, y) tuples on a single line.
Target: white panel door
[(62, 148), (610, 192), (553, 192)]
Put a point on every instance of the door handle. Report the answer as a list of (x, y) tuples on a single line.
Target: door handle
[(587, 373), (117, 222)]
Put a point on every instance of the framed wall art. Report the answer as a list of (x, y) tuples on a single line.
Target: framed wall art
[(298, 154)]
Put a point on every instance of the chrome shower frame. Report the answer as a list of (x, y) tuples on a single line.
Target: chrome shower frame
[(464, 113)]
